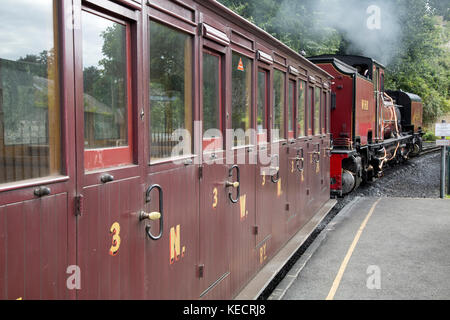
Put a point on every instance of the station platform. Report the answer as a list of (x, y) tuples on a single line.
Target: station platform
[(376, 248)]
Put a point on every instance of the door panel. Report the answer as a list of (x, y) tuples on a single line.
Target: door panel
[(243, 221), (34, 250), (111, 241), (216, 213), (170, 261)]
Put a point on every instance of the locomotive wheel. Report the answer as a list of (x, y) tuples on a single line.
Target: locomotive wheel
[(348, 182)]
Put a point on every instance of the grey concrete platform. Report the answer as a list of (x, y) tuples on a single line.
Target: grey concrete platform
[(377, 248), (263, 278)]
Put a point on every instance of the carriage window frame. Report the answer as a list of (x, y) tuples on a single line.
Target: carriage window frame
[(292, 109), (302, 82), (172, 161), (283, 106), (317, 114), (122, 156), (265, 128), (222, 105), (62, 166), (251, 138), (309, 114)]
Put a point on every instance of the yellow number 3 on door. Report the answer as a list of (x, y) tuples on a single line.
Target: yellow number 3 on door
[(115, 230)]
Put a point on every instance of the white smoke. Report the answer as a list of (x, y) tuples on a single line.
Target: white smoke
[(372, 28)]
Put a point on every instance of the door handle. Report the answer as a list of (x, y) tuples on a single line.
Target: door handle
[(236, 185), (300, 158), (42, 191), (277, 168), (157, 215)]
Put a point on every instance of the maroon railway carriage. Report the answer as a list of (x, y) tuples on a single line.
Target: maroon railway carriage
[(114, 182), (367, 127)]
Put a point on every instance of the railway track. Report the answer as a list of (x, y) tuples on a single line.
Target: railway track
[(430, 150)]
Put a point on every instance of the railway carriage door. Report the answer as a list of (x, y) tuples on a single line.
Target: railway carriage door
[(243, 151), (279, 155), (110, 237), (309, 161), (293, 163), (37, 225), (301, 154), (172, 180), (219, 184), (266, 190)]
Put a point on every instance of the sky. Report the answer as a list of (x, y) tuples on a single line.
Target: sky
[(26, 27)]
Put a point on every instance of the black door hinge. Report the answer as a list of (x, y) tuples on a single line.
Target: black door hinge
[(79, 199), (200, 172), (201, 270)]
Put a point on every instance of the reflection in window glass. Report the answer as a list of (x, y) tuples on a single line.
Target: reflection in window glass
[(324, 113), (309, 111), (301, 109), (261, 121), (170, 89), (317, 111), (278, 103), (212, 127), (291, 109), (104, 82), (29, 90), (241, 87)]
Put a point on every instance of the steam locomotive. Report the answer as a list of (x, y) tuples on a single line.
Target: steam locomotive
[(370, 127)]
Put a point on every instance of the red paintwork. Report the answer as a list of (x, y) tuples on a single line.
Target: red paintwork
[(41, 237), (336, 169)]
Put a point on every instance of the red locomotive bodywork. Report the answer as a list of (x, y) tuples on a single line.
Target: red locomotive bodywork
[(365, 122)]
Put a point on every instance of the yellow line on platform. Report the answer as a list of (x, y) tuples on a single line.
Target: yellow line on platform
[(341, 271)]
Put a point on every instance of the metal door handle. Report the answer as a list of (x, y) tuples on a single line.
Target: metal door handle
[(158, 215), (235, 185), (107, 178), (277, 168), (42, 191)]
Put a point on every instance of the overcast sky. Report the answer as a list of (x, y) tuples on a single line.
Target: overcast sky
[(26, 27)]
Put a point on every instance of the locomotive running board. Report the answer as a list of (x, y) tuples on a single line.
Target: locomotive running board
[(264, 277)]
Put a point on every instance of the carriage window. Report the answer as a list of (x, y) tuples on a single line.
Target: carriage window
[(212, 104), (301, 109), (30, 132), (291, 109), (278, 103), (106, 95), (170, 92), (328, 111), (261, 121), (317, 111), (324, 115), (309, 113), (241, 88)]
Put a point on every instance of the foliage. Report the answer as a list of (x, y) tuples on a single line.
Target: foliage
[(429, 136), (421, 62)]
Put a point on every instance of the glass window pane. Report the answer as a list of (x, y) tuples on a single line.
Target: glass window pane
[(212, 120), (170, 91), (241, 87), (309, 113), (291, 110), (30, 131), (104, 82), (261, 121), (317, 111), (278, 103), (301, 109), (324, 114)]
